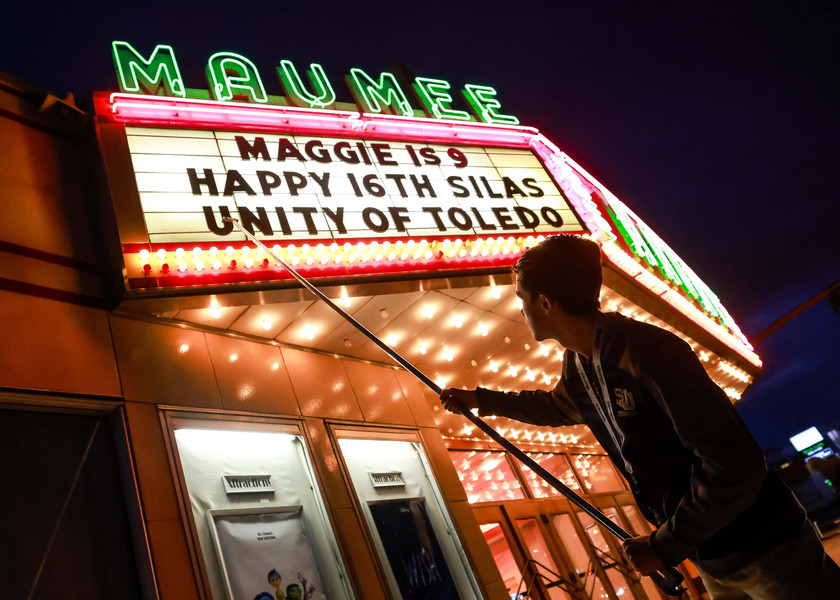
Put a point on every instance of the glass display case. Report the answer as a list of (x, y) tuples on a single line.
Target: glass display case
[(409, 524), (257, 512)]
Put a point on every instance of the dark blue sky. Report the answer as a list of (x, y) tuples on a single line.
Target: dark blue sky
[(716, 122)]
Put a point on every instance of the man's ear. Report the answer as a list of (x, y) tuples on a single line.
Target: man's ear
[(544, 303)]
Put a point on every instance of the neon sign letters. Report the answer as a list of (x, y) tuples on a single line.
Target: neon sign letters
[(233, 77)]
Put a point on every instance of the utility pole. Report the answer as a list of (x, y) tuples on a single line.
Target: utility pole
[(833, 294)]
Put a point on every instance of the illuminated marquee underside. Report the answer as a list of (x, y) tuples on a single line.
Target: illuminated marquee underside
[(346, 193)]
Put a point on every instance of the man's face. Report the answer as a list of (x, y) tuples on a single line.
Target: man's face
[(531, 311)]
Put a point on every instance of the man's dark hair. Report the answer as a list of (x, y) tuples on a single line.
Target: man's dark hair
[(567, 269)]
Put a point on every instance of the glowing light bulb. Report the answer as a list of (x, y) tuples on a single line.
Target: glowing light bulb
[(229, 251), (234, 357), (179, 253), (458, 321), (392, 340), (216, 312), (448, 354), (483, 330), (161, 254), (421, 348), (183, 348), (309, 332), (429, 311), (266, 323), (144, 255), (196, 252)]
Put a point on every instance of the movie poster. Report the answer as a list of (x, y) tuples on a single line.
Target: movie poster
[(265, 554), (413, 550)]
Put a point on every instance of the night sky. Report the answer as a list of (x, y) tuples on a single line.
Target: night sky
[(716, 122)]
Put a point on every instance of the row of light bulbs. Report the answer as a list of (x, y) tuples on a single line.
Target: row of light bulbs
[(337, 254), (705, 356)]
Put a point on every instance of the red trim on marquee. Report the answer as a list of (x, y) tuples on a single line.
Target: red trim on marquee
[(165, 111)]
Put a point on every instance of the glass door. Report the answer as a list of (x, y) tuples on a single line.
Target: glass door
[(541, 563), (507, 561), (608, 556), (586, 567), (528, 557)]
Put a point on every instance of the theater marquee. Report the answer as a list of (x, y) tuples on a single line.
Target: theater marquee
[(403, 182), (338, 193)]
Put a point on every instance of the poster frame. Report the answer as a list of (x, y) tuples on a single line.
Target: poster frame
[(213, 513)]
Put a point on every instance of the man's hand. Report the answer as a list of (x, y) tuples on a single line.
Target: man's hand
[(641, 556), (456, 400)]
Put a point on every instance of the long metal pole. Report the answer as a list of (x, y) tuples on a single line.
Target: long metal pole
[(668, 579)]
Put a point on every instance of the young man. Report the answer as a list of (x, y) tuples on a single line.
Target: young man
[(694, 468)]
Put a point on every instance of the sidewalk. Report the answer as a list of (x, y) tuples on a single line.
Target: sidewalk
[(832, 546)]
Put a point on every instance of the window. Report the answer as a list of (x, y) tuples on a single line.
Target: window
[(486, 475)]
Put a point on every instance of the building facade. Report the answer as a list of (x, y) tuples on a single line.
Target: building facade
[(182, 420)]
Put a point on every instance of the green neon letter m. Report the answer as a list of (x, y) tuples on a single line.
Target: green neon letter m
[(138, 75), (372, 95)]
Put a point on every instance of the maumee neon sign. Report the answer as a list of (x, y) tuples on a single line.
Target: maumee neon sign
[(352, 192), (231, 76)]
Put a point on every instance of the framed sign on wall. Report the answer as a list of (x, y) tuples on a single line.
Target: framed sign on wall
[(265, 553)]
